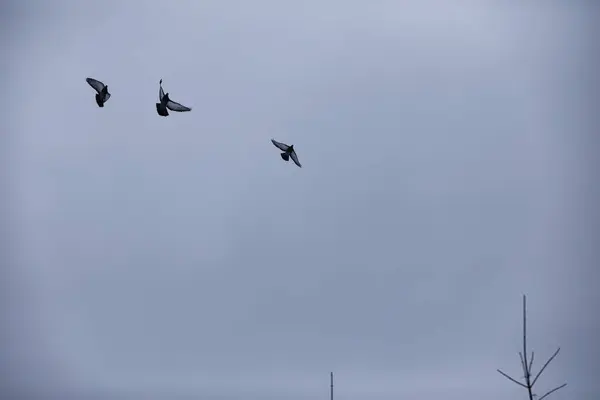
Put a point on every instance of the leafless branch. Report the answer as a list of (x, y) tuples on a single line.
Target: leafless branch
[(512, 379), (523, 365), (545, 365), (531, 362), (552, 391), (524, 356), (527, 365)]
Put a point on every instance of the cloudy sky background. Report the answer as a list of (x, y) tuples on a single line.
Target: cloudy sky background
[(449, 167)]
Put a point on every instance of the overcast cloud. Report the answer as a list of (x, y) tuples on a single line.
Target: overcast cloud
[(448, 153)]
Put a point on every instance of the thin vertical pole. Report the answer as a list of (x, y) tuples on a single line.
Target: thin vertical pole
[(331, 394)]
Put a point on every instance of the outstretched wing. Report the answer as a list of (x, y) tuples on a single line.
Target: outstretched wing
[(280, 146), (295, 158), (173, 106), (97, 85), (161, 92)]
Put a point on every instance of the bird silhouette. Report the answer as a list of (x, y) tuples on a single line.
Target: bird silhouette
[(167, 103), (288, 151), (101, 89)]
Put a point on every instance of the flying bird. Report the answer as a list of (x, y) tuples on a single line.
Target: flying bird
[(102, 94), (288, 151), (166, 102)]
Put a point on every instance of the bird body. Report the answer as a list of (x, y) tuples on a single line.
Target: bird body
[(167, 103), (101, 89), (288, 152)]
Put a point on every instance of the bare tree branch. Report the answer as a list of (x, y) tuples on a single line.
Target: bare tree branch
[(545, 365), (552, 391), (527, 365), (514, 380), (523, 365), (531, 362)]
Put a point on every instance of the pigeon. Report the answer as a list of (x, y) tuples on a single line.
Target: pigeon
[(288, 151), (102, 94), (165, 102)]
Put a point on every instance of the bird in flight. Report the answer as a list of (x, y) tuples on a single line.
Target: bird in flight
[(166, 102), (288, 151), (101, 89)]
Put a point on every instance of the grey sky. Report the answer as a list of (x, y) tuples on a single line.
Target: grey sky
[(448, 167)]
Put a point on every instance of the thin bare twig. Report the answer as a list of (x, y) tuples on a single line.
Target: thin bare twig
[(523, 365), (552, 391), (545, 365), (512, 379), (531, 362)]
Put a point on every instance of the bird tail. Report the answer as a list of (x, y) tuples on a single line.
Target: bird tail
[(285, 156)]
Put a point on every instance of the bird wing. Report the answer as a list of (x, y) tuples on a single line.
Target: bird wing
[(106, 97), (295, 158), (174, 106), (161, 92), (97, 85), (279, 145)]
